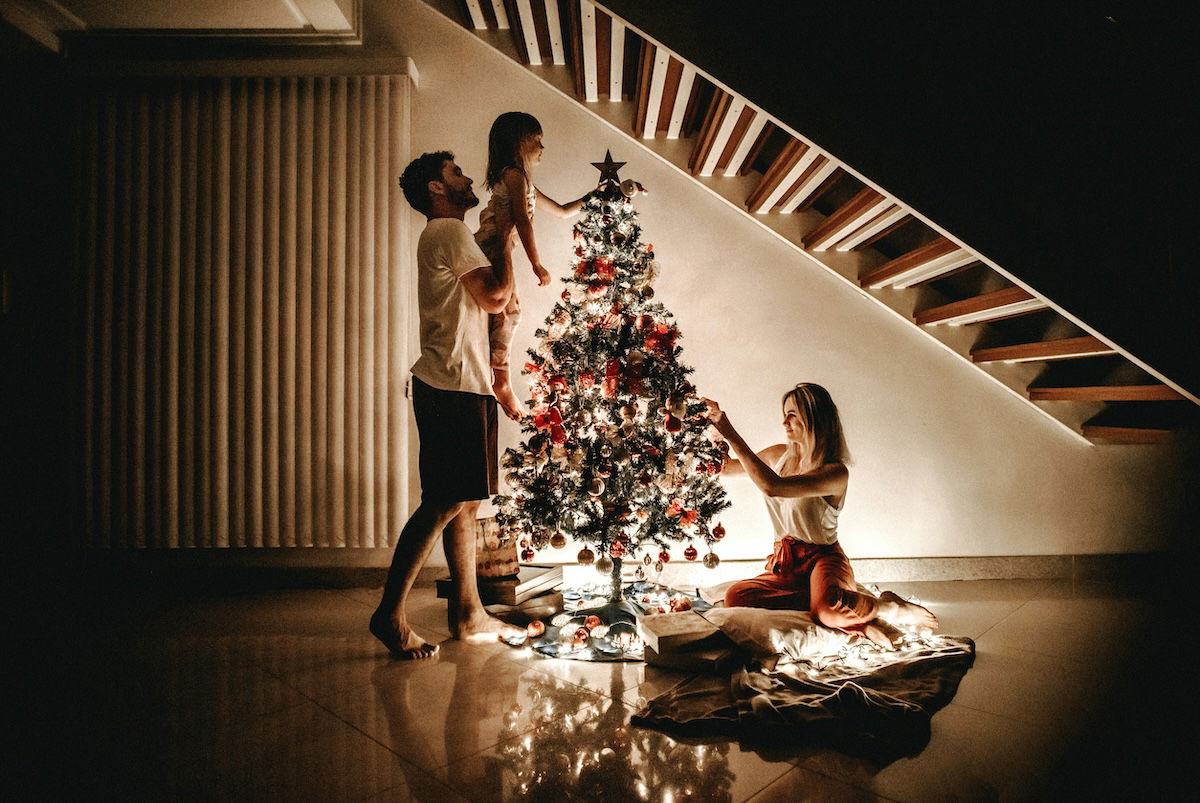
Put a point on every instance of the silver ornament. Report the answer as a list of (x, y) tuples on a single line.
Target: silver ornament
[(604, 565)]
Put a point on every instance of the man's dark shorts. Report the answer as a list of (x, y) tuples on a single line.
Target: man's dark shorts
[(458, 443)]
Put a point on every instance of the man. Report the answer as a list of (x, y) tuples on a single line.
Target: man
[(455, 409)]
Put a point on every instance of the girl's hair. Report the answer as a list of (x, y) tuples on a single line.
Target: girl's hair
[(504, 143), (821, 415)]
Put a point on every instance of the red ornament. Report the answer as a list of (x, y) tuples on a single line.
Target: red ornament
[(597, 288), (526, 555), (664, 556), (605, 271), (690, 553), (633, 381), (612, 378), (587, 379), (558, 434), (616, 549), (688, 517), (535, 628), (591, 622), (581, 636), (644, 479), (718, 532), (675, 508), (672, 424), (583, 268)]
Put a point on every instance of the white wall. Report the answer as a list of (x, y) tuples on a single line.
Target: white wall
[(946, 463)]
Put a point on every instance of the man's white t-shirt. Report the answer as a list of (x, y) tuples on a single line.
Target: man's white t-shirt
[(454, 329)]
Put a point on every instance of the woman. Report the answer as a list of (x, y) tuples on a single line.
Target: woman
[(804, 482)]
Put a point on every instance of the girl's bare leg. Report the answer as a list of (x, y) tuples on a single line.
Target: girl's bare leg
[(505, 397)]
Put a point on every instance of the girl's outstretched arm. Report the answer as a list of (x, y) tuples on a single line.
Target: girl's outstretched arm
[(827, 480), (560, 211)]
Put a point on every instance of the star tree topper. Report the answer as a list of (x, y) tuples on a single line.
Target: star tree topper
[(608, 169)]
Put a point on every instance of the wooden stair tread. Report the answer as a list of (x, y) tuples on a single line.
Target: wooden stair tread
[(1065, 348), (992, 306), (1125, 434), (935, 258), (1157, 392)]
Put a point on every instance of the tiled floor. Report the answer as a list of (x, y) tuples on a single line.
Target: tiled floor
[(284, 696)]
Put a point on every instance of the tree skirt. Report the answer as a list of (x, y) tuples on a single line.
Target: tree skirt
[(592, 629), (824, 690)]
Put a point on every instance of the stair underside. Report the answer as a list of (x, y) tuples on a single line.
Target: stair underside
[(804, 196)]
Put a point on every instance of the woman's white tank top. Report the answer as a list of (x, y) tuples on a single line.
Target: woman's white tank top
[(807, 518)]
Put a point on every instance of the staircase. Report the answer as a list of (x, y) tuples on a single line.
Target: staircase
[(837, 218)]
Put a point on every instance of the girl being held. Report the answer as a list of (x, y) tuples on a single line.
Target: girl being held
[(514, 148)]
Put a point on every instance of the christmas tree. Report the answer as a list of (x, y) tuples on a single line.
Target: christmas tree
[(618, 453)]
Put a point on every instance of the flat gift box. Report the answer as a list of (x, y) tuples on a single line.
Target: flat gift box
[(533, 579), (665, 632), (713, 654)]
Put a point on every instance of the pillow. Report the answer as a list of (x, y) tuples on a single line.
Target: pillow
[(767, 633)]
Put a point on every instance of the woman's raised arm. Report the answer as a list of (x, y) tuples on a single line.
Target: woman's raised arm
[(827, 480)]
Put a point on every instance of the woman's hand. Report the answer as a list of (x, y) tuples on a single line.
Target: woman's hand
[(543, 275), (716, 416)]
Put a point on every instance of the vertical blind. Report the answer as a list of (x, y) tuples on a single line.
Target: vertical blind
[(243, 254)]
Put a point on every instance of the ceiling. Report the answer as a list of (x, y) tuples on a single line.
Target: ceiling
[(296, 21)]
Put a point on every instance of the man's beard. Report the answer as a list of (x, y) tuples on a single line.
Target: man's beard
[(463, 199)]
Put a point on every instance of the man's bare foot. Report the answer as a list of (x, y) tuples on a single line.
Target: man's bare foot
[(507, 400), (900, 611), (480, 627), (401, 641)]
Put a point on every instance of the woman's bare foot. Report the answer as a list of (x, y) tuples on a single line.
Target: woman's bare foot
[(480, 627), (882, 634), (507, 400), (400, 640), (898, 610)]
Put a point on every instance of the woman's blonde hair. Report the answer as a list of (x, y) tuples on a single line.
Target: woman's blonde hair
[(824, 424)]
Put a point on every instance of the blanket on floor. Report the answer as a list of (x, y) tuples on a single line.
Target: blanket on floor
[(811, 685)]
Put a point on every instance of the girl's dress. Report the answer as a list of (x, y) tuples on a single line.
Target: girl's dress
[(808, 571), (495, 235)]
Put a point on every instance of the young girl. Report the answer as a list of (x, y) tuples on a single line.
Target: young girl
[(514, 148), (804, 482)]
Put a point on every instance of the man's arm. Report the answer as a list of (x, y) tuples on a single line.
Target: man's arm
[(491, 286)]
